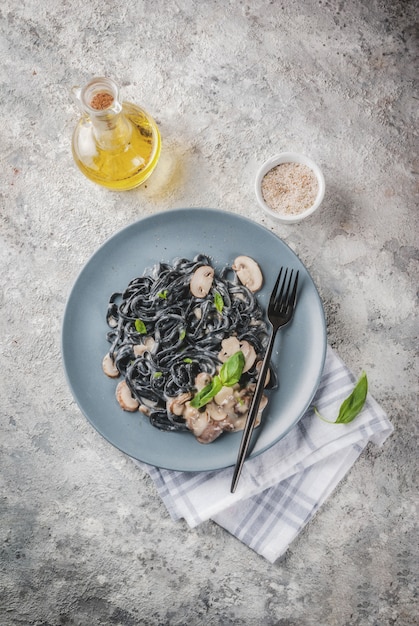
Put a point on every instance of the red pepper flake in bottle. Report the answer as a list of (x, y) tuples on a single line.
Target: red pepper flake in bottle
[(289, 188), (101, 101)]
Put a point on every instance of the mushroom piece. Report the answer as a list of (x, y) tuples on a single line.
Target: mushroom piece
[(196, 421), (243, 399), (268, 373), (201, 281), (125, 397), (249, 355), (177, 405), (146, 346), (216, 412), (262, 405), (231, 345), (240, 422), (109, 367), (248, 272), (226, 396), (202, 380), (198, 312)]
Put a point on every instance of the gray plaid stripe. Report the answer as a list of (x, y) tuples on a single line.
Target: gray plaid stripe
[(307, 439), (174, 485), (279, 503)]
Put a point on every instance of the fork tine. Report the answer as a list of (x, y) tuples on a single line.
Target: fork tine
[(278, 296), (288, 300), (275, 289), (294, 290), (285, 298), (281, 291)]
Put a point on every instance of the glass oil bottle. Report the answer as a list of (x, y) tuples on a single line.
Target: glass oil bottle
[(115, 144)]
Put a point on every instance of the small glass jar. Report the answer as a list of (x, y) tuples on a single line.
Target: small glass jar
[(115, 144)]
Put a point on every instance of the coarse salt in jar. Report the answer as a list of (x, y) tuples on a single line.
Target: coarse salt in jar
[(289, 187)]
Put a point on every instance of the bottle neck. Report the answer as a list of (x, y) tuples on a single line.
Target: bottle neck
[(111, 130), (100, 103)]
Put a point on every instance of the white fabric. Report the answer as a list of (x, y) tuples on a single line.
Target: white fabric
[(281, 489)]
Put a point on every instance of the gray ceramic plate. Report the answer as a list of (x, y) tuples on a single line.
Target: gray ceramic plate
[(298, 354)]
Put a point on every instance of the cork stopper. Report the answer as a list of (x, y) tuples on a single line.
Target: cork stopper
[(101, 101)]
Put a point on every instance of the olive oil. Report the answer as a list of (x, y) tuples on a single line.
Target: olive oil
[(115, 144)]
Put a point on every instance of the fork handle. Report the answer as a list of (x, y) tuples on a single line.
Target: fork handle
[(252, 414)]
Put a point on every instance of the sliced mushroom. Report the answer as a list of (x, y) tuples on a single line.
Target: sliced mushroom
[(216, 412), (249, 355), (231, 345), (202, 380), (196, 421), (242, 404), (109, 367), (139, 349), (240, 422), (262, 405), (268, 373), (201, 281), (125, 397), (147, 346), (112, 322), (248, 272), (226, 396), (177, 405)]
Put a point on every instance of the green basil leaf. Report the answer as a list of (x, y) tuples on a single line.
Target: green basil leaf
[(353, 404), (218, 302), (157, 374), (232, 369), (207, 393), (163, 294), (229, 375), (140, 327), (187, 360), (182, 334)]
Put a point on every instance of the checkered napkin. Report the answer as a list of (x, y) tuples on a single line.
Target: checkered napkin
[(281, 489)]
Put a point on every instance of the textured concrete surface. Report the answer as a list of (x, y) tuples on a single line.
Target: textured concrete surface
[(84, 539)]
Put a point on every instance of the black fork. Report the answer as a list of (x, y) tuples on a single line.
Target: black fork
[(280, 311)]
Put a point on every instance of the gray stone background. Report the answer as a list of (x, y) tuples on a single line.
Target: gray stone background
[(84, 537)]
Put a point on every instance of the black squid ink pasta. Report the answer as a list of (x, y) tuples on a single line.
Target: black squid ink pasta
[(162, 336)]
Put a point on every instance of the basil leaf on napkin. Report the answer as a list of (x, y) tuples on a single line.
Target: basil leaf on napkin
[(352, 406)]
